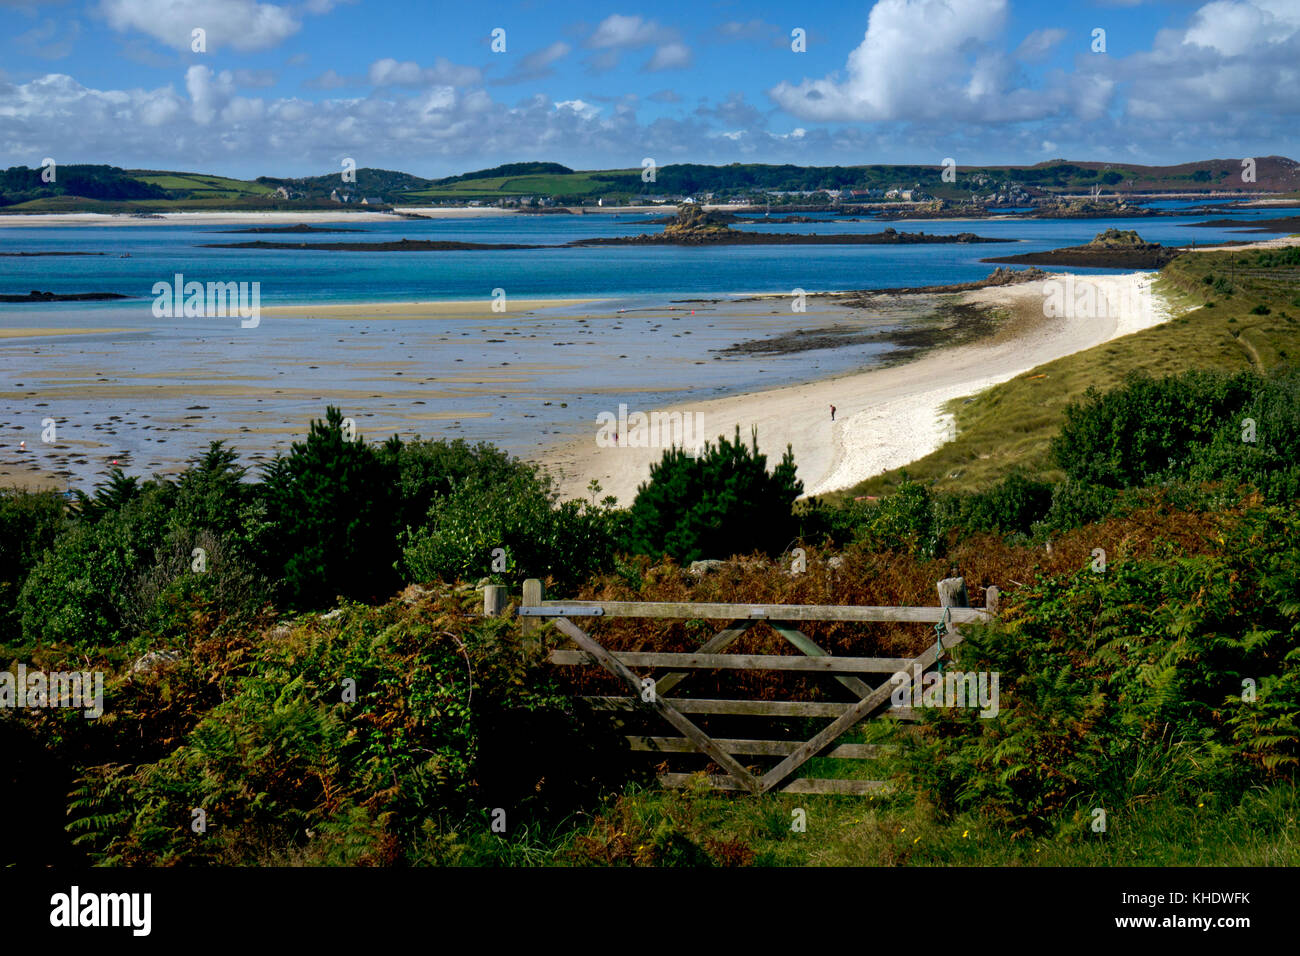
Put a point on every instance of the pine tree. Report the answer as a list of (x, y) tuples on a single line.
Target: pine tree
[(332, 504), (719, 503)]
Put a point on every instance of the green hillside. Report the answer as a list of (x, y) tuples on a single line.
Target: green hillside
[(577, 186), (1237, 311), (200, 186), (87, 188)]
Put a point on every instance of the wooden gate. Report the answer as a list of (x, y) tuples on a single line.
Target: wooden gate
[(651, 694)]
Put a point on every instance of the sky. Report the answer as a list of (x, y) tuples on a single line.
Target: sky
[(436, 88)]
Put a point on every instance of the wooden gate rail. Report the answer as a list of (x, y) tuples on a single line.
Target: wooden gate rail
[(782, 618)]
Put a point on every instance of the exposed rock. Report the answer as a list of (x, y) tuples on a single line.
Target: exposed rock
[(154, 661)]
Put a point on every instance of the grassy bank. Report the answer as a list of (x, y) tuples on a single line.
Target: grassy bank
[(1218, 325)]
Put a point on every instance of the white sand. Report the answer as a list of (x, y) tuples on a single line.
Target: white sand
[(885, 418), (310, 217)]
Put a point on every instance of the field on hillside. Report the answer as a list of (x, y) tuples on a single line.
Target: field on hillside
[(577, 184), (202, 186)]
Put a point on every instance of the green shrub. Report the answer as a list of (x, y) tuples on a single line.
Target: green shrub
[(719, 503), (1127, 436), (1013, 505), (194, 572), (78, 593), (332, 506), (29, 524), (518, 514), (430, 470), (904, 521), (1077, 503), (1117, 685), (447, 715)]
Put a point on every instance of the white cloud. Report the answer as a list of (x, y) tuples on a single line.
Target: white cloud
[(750, 30), (915, 60), (390, 72), (51, 39), (329, 80), (623, 32), (1233, 28), (579, 108), (1039, 43), (209, 92), (618, 32), (537, 64), (254, 78), (540, 59), (670, 56), (242, 24)]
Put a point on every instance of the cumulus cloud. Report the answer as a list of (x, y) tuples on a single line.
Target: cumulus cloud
[(242, 24), (390, 72), (619, 32), (329, 80), (579, 108), (51, 39), (748, 30), (926, 75), (917, 57), (670, 56), (623, 32), (537, 65), (1039, 43), (1234, 27)]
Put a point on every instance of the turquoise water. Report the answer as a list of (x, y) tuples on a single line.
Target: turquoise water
[(155, 395), (157, 252)]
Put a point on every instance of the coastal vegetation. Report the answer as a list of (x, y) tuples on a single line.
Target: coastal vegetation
[(108, 189), (301, 653), (1218, 326)]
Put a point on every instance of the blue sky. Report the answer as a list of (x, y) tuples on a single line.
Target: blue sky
[(290, 88)]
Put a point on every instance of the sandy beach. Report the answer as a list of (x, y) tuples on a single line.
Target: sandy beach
[(420, 310), (312, 217), (885, 417)]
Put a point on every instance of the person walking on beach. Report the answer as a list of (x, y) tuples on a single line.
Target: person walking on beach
[(832, 413)]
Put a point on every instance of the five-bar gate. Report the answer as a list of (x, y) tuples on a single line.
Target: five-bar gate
[(856, 674)]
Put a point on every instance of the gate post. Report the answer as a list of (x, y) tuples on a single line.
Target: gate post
[(952, 593), (494, 600), (534, 591)]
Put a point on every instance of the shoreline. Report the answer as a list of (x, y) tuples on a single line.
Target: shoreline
[(886, 417), (314, 216)]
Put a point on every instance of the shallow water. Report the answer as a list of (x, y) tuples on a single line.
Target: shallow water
[(154, 396)]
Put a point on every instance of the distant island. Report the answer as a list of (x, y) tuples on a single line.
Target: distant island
[(37, 296), (693, 226), (1112, 249), (1057, 187)]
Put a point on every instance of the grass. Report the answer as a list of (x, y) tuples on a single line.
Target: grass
[(213, 202), (1010, 425), (204, 186), (549, 184), (645, 826)]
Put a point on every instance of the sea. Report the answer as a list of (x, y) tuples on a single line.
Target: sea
[(148, 392)]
